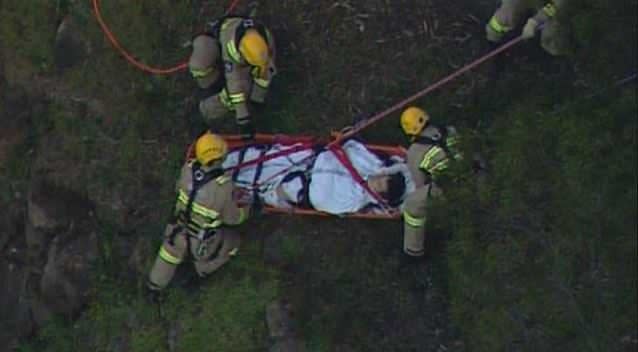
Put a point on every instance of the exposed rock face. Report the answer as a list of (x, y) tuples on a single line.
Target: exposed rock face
[(44, 268), (71, 45)]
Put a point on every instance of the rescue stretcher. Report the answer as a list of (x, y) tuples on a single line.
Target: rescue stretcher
[(310, 142)]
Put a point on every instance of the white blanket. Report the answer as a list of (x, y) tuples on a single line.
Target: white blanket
[(335, 191), (270, 175), (332, 188)]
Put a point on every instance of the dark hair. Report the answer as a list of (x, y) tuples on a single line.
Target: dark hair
[(396, 188)]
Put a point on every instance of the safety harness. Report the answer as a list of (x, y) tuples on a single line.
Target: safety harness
[(247, 23), (444, 143), (439, 142), (198, 180), (303, 198)]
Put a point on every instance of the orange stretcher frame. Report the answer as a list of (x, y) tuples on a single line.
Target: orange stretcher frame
[(235, 141)]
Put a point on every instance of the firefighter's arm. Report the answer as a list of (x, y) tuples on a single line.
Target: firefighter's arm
[(236, 95), (434, 161), (261, 83), (232, 213), (260, 87)]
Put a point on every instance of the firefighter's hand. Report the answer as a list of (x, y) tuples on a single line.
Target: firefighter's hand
[(529, 31), (247, 131)]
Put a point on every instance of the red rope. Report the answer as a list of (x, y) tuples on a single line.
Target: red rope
[(158, 71), (231, 7), (425, 91), (408, 100), (294, 149)]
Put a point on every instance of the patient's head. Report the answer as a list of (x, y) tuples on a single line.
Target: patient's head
[(390, 187)]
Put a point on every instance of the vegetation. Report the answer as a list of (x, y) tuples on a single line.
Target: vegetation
[(539, 256)]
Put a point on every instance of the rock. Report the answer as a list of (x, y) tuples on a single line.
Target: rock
[(51, 207), (15, 321), (37, 242), (288, 345), (11, 224), (71, 45), (53, 211), (65, 281), (39, 312), (42, 217), (14, 120), (279, 319)]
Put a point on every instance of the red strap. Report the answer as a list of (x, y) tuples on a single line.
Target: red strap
[(264, 158), (343, 159)]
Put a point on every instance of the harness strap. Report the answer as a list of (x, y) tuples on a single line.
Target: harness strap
[(260, 168), (302, 195), (199, 179), (440, 142), (242, 155), (302, 146)]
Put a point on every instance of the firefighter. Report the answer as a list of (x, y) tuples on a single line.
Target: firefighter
[(431, 150), (205, 213), (233, 64), (512, 13)]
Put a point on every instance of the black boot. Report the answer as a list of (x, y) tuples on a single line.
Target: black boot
[(152, 294), (417, 268), (407, 262)]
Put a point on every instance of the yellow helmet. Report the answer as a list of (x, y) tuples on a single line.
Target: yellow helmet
[(210, 147), (413, 120), (254, 49)]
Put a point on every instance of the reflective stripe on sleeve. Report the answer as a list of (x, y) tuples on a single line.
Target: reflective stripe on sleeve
[(440, 166), (212, 214), (232, 51), (167, 257), (223, 98), (412, 220), (497, 26), (237, 98), (429, 156), (222, 179), (262, 82), (199, 73), (215, 224)]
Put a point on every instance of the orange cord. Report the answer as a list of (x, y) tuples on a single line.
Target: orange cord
[(129, 57)]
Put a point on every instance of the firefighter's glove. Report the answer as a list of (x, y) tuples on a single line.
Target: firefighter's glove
[(247, 131), (529, 31)]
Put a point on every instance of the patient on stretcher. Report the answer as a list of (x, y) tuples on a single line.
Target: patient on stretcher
[(319, 180)]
